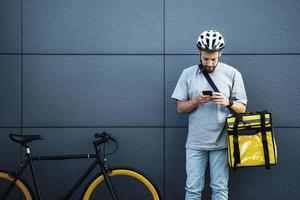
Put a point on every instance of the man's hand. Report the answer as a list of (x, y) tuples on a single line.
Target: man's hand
[(202, 99), (220, 99)]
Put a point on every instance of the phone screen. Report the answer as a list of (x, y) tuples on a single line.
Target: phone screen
[(207, 92)]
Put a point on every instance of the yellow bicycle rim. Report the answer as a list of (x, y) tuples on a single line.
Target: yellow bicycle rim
[(19, 184), (124, 172)]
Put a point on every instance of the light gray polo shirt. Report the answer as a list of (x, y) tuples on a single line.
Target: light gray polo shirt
[(206, 123)]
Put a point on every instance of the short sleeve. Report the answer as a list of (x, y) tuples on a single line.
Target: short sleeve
[(238, 89), (181, 90)]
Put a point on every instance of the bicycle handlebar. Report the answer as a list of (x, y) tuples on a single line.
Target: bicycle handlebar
[(104, 137)]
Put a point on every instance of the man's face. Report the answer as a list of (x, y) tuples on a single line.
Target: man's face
[(210, 60)]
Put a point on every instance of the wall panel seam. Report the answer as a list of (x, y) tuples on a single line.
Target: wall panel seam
[(146, 54)]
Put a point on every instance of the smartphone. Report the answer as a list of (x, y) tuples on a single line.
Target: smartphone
[(207, 92)]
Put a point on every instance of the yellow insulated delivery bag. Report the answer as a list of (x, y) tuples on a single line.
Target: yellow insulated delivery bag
[(251, 140)]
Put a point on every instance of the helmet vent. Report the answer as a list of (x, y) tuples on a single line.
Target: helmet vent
[(207, 42), (213, 42)]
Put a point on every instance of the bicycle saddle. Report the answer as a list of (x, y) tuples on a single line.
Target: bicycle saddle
[(23, 139)]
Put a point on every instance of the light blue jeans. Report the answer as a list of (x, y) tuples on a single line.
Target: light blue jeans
[(196, 162)]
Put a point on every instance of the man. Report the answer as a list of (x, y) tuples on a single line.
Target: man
[(206, 141)]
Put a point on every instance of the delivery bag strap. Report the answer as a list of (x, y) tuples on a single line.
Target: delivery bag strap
[(236, 149), (264, 139), (238, 117)]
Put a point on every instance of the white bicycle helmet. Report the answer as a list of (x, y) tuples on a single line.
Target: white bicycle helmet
[(211, 40)]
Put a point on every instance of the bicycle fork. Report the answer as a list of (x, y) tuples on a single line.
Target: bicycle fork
[(105, 171), (108, 183)]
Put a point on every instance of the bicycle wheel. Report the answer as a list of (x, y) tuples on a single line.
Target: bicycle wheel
[(128, 184), (19, 191)]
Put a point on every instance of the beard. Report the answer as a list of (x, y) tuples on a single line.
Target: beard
[(210, 69)]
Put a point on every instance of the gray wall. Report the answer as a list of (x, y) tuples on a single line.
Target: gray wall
[(71, 68)]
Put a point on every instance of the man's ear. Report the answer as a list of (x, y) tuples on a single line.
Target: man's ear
[(220, 53)]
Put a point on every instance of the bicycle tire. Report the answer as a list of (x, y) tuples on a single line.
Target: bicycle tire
[(20, 190), (97, 189)]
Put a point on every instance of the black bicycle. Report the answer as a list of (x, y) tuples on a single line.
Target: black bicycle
[(111, 183)]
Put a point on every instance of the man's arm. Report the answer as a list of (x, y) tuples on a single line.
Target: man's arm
[(220, 99)]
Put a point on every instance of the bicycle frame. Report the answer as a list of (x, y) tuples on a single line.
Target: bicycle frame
[(99, 160)]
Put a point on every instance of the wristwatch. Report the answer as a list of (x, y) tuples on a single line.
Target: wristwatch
[(230, 103)]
